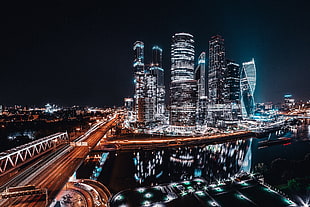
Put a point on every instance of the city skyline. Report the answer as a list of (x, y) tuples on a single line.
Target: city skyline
[(75, 54)]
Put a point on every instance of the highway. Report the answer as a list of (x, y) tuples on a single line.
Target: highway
[(54, 171)]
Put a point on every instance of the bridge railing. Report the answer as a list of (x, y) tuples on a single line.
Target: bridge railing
[(13, 158)]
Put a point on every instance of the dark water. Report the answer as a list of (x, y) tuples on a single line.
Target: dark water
[(129, 169)]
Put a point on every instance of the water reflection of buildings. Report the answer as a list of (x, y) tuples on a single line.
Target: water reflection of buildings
[(213, 162), (148, 165)]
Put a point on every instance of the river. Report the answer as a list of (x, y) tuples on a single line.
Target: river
[(129, 169)]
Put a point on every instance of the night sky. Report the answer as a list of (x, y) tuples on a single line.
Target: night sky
[(78, 53)]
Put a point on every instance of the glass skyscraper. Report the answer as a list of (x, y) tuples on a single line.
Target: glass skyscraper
[(200, 74), (219, 109), (156, 69), (182, 57), (232, 82), (247, 87), (232, 89), (149, 86), (183, 87), (217, 68), (138, 65)]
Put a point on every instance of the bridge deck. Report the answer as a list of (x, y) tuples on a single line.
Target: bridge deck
[(56, 173)]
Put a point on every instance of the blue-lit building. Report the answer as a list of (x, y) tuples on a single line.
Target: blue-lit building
[(183, 87), (247, 87), (149, 86), (156, 69)]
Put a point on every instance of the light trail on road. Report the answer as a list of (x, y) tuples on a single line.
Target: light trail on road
[(53, 174)]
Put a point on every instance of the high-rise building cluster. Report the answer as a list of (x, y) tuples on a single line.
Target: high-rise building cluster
[(149, 86), (214, 92)]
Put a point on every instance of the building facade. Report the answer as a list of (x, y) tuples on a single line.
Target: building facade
[(139, 80), (149, 86), (217, 69), (156, 69), (129, 104), (247, 87), (219, 108), (202, 104), (183, 87), (232, 88)]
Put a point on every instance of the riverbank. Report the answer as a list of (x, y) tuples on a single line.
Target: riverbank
[(148, 142)]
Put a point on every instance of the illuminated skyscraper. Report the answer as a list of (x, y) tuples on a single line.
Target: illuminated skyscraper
[(200, 74), (149, 86), (247, 87), (232, 82), (150, 97), (232, 88), (182, 57), (138, 62), (157, 71), (217, 68), (183, 87), (218, 109), (138, 65), (157, 56)]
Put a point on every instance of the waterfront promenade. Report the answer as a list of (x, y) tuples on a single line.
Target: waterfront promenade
[(144, 141)]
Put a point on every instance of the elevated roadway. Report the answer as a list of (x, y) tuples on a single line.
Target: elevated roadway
[(53, 173)]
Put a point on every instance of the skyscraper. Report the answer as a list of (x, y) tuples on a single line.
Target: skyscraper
[(217, 68), (183, 87), (223, 86), (138, 62), (182, 57), (200, 74), (150, 97), (232, 82), (247, 87), (138, 65), (149, 86), (232, 88), (157, 56), (157, 71)]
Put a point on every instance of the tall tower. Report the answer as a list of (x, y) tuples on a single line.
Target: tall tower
[(247, 87), (232, 81), (183, 87), (200, 74), (217, 67), (232, 86), (182, 57), (157, 70), (138, 65), (156, 64), (157, 56)]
